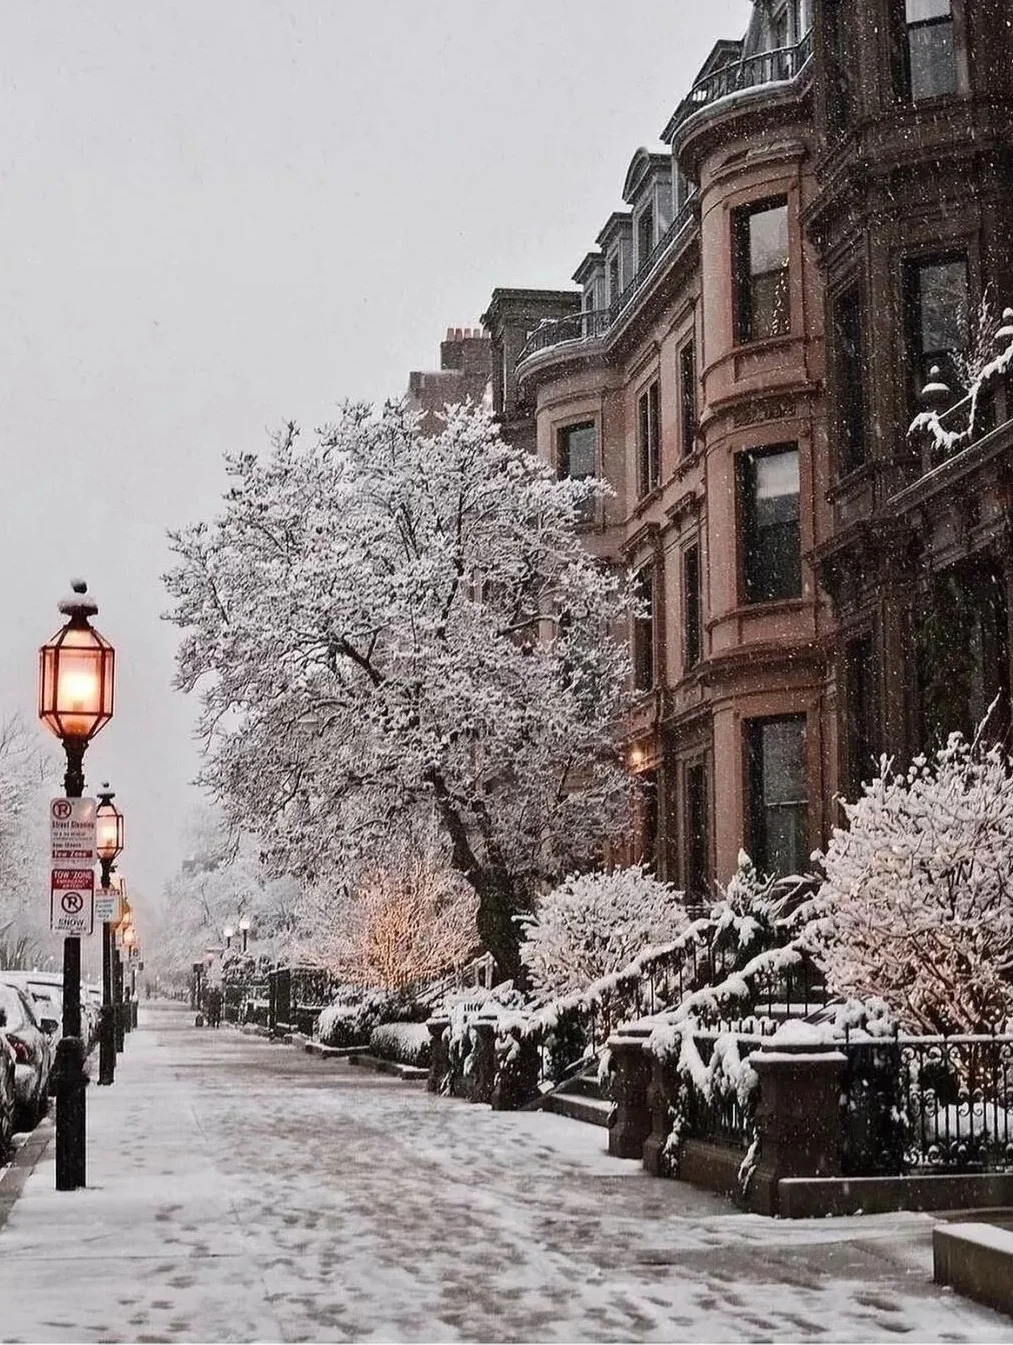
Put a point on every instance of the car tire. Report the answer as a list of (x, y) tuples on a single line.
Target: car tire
[(6, 1134)]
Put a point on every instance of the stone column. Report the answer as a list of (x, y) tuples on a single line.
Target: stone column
[(799, 1116), (631, 1077), (439, 1054)]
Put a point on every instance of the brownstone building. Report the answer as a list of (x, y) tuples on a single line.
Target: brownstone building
[(465, 372), (741, 358)]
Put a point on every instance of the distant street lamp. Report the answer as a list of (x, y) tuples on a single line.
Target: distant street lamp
[(108, 847), (244, 929), (76, 676), (228, 932)]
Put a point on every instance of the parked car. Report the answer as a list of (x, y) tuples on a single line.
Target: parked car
[(44, 991), (33, 1053), (8, 1098)]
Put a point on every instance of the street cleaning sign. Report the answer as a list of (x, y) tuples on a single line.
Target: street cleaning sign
[(72, 831), (107, 906), (72, 902)]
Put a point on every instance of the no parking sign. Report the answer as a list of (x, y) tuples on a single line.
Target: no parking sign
[(72, 901)]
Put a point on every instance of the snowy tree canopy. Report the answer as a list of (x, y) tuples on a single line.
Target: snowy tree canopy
[(595, 924), (24, 773), (381, 623), (919, 891)]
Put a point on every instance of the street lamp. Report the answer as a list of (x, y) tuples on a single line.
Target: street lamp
[(108, 847), (228, 932), (244, 929), (76, 676)]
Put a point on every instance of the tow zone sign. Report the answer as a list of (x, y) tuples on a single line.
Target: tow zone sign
[(72, 901)]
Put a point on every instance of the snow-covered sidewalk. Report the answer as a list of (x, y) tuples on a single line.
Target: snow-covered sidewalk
[(243, 1191)]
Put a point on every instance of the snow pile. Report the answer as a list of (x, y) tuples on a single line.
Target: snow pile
[(406, 1043)]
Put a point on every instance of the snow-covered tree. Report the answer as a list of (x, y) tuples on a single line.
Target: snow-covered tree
[(26, 778), (919, 891), (220, 882), (408, 921), (383, 624), (595, 924)]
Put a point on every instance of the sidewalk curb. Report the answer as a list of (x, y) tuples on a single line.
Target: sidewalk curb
[(25, 1161)]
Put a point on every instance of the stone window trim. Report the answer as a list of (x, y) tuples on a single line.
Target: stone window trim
[(920, 356), (571, 451)]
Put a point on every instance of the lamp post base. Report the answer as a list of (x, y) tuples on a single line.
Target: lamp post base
[(107, 1026), (70, 1081)]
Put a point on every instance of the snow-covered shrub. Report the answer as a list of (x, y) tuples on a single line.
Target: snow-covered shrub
[(351, 1017), (919, 891), (405, 1043), (409, 920), (596, 923)]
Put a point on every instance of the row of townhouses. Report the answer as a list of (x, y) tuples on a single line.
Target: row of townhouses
[(741, 357)]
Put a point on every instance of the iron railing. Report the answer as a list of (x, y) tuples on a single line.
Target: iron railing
[(722, 1118), (929, 1104), (595, 324), (779, 66)]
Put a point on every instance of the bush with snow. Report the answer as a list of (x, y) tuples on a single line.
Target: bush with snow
[(595, 924), (919, 891), (405, 1043), (351, 1017)]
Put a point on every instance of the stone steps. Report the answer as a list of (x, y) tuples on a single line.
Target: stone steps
[(591, 1110)]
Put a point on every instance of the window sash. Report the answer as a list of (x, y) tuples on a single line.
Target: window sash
[(762, 270), (649, 438), (937, 321), (697, 831), (779, 807), (931, 51), (643, 632), (850, 390), (772, 543), (578, 459), (692, 607), (687, 397)]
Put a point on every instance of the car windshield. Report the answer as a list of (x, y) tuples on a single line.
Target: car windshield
[(13, 1007), (41, 994)]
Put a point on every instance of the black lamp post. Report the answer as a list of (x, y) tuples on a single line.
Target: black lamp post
[(76, 674), (244, 929), (108, 847)]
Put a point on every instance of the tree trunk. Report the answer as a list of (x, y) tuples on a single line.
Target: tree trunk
[(497, 928)]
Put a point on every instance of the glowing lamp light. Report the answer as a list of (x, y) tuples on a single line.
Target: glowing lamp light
[(108, 827), (76, 673), (244, 924)]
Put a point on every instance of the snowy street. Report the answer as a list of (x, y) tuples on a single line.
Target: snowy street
[(239, 1190)]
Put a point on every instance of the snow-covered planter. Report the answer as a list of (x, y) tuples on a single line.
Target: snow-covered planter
[(405, 1043)]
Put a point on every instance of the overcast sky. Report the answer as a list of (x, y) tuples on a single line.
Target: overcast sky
[(217, 214)]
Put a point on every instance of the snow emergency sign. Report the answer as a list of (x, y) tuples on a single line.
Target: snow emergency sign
[(72, 831), (72, 901)]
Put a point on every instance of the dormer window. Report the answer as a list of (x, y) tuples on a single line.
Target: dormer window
[(645, 234), (615, 285)]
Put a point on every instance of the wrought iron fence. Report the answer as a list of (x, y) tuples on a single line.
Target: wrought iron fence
[(721, 1117), (929, 1104)]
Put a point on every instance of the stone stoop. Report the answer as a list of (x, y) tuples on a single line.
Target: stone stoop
[(580, 1098), (976, 1260)]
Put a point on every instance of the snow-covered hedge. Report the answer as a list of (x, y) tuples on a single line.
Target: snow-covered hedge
[(351, 1017), (406, 1043)]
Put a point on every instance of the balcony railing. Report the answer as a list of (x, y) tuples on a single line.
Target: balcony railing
[(595, 324), (779, 66)]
